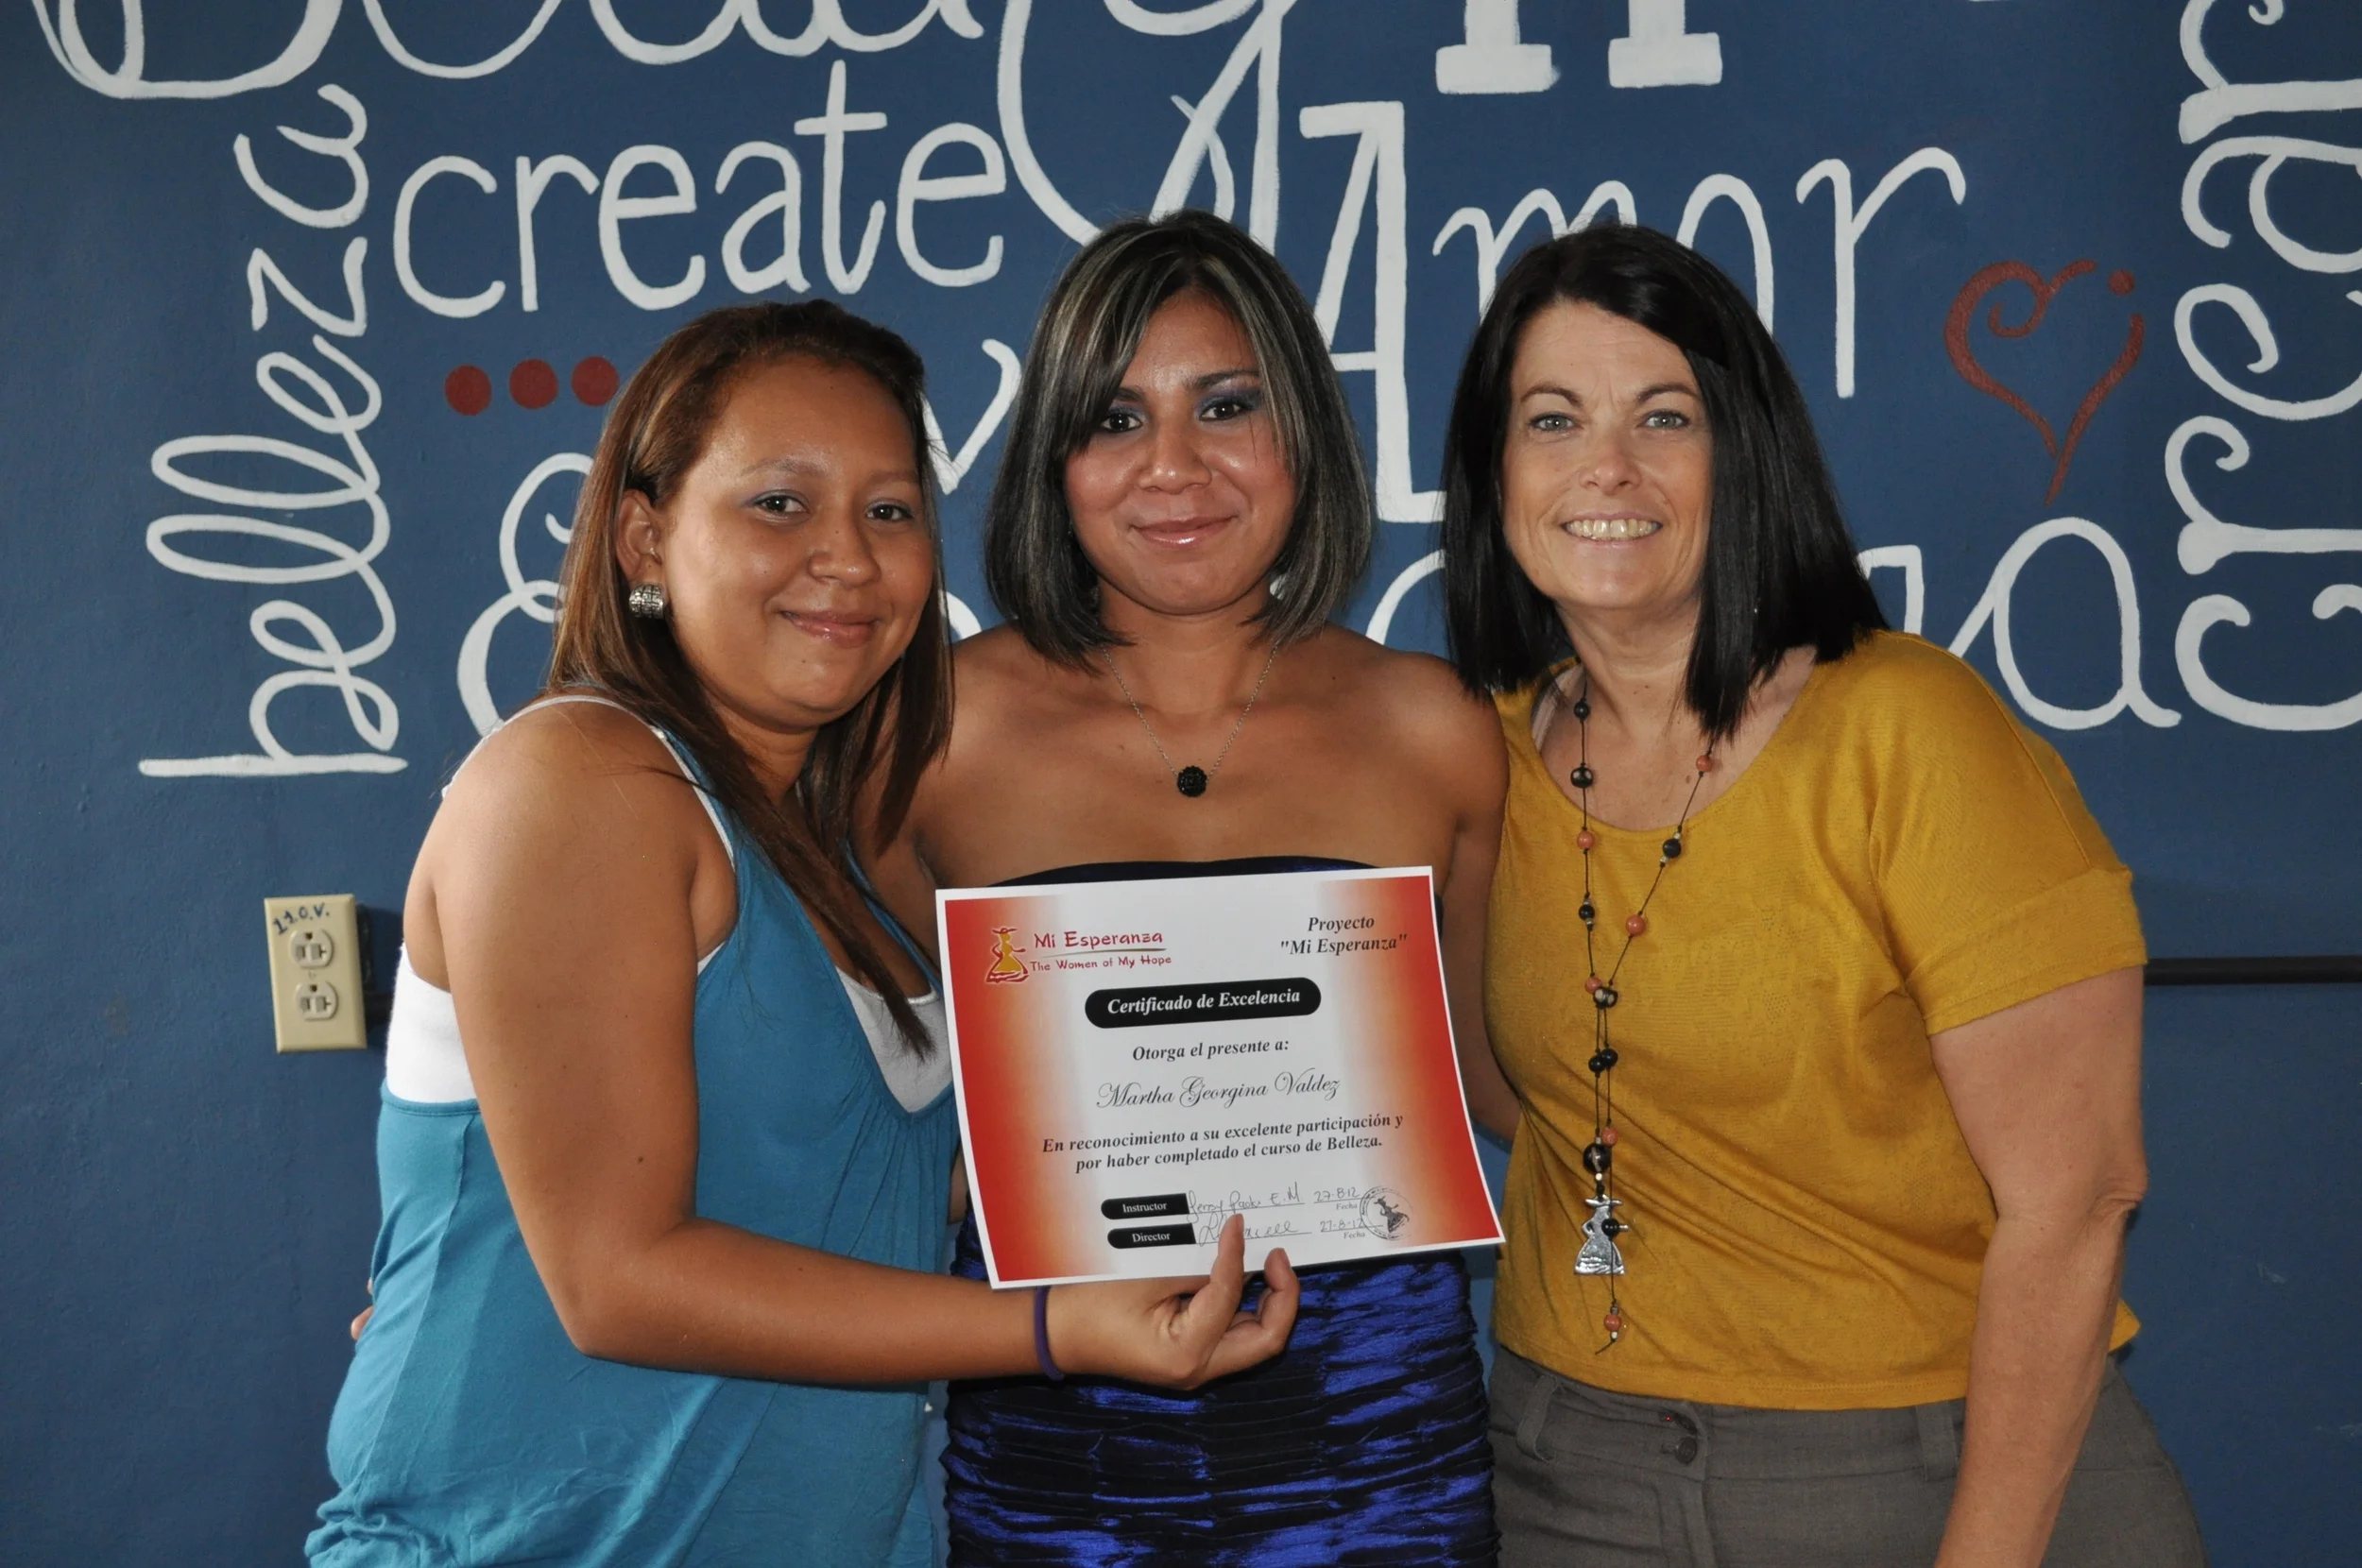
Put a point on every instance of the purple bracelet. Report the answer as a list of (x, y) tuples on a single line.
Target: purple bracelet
[(1041, 1334)]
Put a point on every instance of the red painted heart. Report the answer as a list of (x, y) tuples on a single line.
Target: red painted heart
[(2044, 289)]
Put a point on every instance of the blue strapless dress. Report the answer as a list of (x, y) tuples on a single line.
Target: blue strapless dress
[(1361, 1445)]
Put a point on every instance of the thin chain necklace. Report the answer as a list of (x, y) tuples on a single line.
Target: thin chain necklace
[(1192, 780), (1599, 1256)]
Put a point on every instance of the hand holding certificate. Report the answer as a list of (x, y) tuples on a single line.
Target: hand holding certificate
[(1137, 1062)]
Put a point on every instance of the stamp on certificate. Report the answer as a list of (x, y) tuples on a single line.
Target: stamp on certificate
[(1384, 1214)]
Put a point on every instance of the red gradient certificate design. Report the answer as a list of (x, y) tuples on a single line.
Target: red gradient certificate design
[(1138, 1061)]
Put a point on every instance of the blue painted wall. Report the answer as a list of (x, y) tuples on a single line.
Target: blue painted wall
[(186, 1218)]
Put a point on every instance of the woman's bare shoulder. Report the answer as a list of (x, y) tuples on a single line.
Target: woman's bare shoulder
[(571, 765), (1005, 696), (1001, 680), (1417, 703), (1413, 689), (993, 656), (571, 811)]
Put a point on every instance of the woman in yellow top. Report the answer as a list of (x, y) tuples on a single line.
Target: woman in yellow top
[(1817, 985)]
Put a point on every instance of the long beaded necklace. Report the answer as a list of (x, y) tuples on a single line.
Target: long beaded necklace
[(1599, 1256), (1192, 780)]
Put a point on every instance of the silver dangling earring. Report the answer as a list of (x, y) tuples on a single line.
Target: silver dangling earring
[(647, 601)]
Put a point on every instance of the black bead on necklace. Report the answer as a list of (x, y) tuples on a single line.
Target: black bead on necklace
[(1599, 1256), (1192, 780)]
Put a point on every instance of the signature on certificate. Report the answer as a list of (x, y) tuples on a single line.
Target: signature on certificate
[(1379, 1211), (1275, 1212)]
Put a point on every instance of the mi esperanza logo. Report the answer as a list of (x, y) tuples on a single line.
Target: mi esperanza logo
[(1007, 969)]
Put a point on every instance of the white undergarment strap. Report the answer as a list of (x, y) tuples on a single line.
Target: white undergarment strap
[(914, 1081), (423, 1062)]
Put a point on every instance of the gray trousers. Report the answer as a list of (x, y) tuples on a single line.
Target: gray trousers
[(1584, 1478)]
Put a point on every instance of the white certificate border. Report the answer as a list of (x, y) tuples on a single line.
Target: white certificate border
[(945, 897)]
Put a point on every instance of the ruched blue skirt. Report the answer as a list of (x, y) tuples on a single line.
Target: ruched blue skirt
[(1362, 1444)]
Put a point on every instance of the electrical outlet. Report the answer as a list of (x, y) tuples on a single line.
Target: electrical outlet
[(315, 999)]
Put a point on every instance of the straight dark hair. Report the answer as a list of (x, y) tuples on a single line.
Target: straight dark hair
[(1088, 333), (1780, 565), (654, 434)]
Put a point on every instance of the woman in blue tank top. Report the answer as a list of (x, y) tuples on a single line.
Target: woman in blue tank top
[(656, 1281), (1180, 510)]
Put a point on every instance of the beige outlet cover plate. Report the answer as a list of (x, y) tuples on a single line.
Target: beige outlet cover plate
[(316, 1000)]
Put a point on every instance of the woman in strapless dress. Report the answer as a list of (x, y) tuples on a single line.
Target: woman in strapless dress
[(1181, 508)]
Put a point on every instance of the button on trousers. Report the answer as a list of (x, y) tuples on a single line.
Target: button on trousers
[(1584, 1478)]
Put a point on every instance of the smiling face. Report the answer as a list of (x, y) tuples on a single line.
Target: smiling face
[(1607, 473), (1182, 497), (795, 551)]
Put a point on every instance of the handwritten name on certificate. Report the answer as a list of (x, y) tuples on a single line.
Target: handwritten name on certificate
[(1138, 1061)]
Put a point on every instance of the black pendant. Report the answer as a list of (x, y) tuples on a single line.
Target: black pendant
[(1191, 781)]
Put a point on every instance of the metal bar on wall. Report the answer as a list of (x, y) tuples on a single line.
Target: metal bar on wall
[(2322, 969)]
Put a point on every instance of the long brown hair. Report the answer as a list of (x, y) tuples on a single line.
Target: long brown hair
[(655, 432)]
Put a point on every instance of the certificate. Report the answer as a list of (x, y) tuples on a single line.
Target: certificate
[(1138, 1061)]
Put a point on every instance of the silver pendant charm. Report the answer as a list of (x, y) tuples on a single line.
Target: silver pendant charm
[(1600, 1255)]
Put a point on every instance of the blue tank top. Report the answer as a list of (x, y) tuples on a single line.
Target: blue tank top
[(469, 1430)]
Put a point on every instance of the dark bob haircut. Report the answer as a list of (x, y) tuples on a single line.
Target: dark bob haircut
[(1780, 570), (1088, 333)]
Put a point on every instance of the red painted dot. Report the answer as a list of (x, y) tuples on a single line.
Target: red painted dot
[(2120, 282), (596, 380), (533, 384), (468, 390)]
